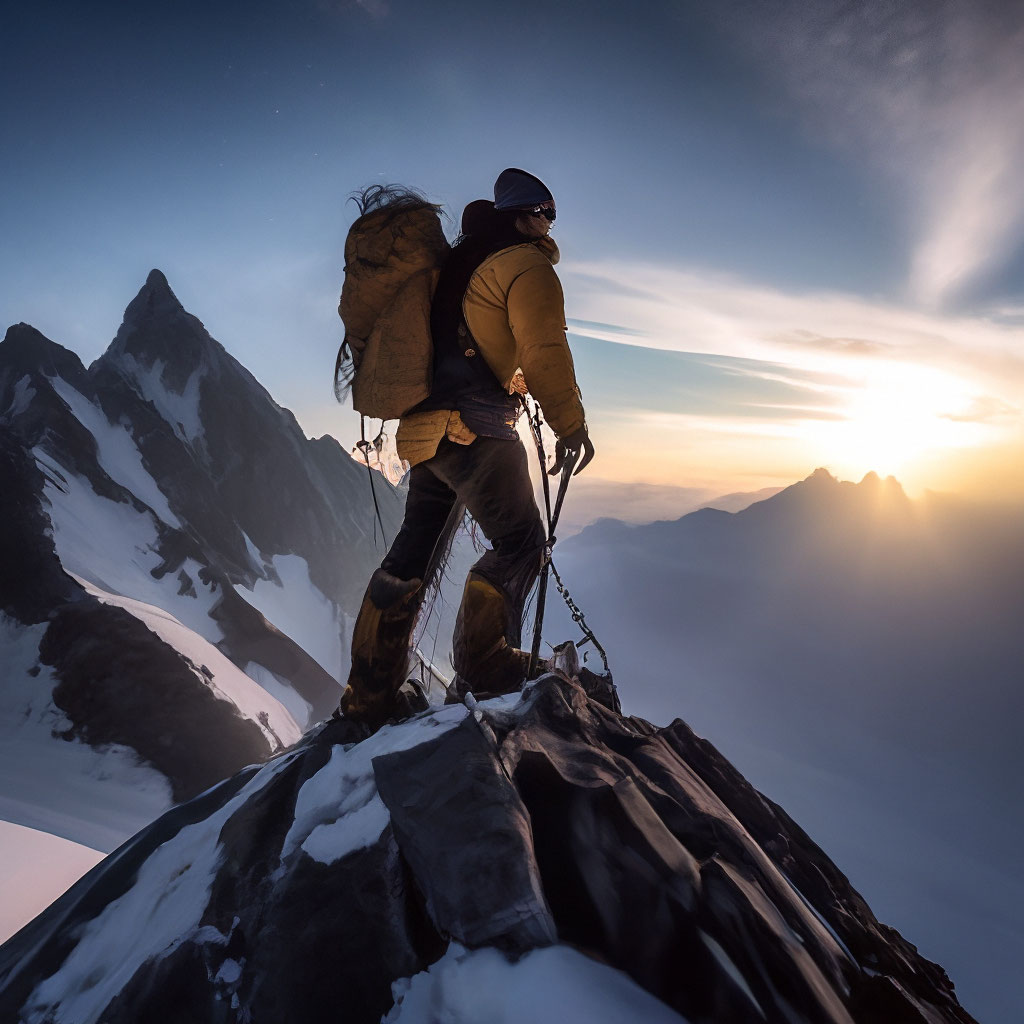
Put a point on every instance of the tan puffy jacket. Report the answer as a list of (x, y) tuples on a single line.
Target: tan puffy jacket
[(516, 313)]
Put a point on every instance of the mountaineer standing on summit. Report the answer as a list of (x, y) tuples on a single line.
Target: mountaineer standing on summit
[(497, 327)]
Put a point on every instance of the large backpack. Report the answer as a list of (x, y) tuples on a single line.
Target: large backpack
[(393, 255)]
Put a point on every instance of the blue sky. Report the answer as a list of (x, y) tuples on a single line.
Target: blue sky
[(728, 177)]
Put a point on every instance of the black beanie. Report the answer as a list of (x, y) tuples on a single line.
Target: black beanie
[(519, 190)]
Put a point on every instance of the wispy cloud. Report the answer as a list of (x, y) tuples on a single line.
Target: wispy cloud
[(594, 329), (692, 310), (636, 380), (930, 91), (848, 346), (985, 409)]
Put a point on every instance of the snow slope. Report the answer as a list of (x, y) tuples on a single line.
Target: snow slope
[(167, 901), (36, 867), (228, 682), (97, 796), (556, 985), (289, 599)]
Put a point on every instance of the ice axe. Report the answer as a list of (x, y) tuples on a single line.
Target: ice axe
[(568, 465)]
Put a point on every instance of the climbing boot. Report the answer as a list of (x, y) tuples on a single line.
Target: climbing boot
[(380, 648), (485, 661)]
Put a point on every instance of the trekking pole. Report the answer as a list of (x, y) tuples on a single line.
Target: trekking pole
[(567, 467)]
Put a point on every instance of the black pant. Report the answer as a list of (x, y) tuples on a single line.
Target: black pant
[(491, 479)]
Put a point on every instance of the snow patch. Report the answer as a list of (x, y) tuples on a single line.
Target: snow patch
[(114, 546), (730, 968), (95, 796), (354, 831), (298, 608), (181, 411), (283, 692), (338, 809), (117, 452), (22, 398), (37, 868), (554, 985), (112, 550), (161, 910)]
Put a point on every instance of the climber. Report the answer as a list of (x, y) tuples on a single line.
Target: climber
[(497, 323)]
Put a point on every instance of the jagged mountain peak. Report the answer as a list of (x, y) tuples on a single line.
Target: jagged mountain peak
[(159, 334), (27, 350), (171, 539), (821, 478), (155, 297), (822, 489), (889, 488)]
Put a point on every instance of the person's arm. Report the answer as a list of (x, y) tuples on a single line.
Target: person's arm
[(536, 314)]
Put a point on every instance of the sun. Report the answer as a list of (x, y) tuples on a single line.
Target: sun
[(898, 416)]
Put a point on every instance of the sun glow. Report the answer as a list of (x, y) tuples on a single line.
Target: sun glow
[(900, 416), (776, 383)]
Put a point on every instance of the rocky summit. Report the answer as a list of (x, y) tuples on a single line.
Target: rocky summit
[(537, 857)]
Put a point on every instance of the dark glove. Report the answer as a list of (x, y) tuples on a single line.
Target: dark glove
[(570, 448)]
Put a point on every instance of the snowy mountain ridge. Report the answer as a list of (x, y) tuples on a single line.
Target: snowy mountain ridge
[(181, 565)]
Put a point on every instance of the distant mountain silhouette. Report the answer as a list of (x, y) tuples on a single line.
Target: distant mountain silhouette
[(859, 656)]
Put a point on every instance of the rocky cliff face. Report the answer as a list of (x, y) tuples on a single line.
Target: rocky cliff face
[(535, 856), (179, 565)]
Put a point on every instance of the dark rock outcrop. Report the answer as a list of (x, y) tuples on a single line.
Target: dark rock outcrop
[(31, 577), (119, 683), (295, 896)]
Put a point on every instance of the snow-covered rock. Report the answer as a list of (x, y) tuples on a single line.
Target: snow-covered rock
[(539, 857)]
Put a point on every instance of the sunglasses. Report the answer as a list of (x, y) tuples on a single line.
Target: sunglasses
[(544, 210)]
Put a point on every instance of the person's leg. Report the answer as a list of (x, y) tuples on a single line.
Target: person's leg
[(492, 478), (383, 628), (427, 507)]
